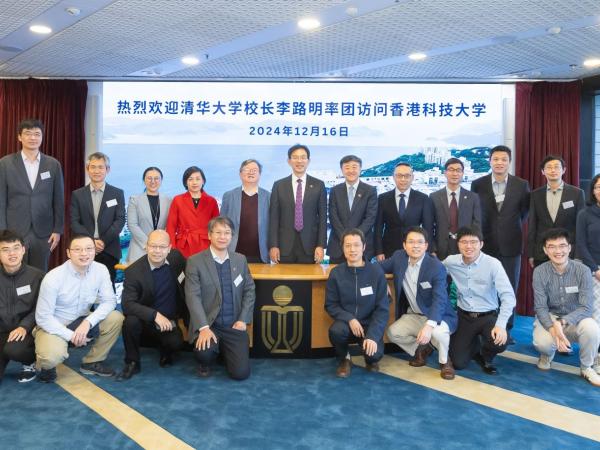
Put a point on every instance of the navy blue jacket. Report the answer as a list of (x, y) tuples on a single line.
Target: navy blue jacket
[(588, 236), (432, 295), (344, 299)]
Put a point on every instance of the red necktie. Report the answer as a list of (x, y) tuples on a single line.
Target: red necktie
[(453, 214)]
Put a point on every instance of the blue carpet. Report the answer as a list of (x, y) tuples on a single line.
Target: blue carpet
[(297, 404)]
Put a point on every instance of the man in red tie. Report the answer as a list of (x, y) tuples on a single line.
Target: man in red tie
[(298, 213), (454, 207)]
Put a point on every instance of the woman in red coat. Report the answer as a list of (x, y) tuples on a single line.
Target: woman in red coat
[(190, 213)]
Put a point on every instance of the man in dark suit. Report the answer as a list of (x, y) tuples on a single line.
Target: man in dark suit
[(426, 317), (298, 213), (454, 207), (219, 292), (352, 204), (554, 205), (153, 301), (98, 210), (32, 197), (398, 210), (504, 202)]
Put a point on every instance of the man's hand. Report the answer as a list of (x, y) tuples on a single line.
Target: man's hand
[(380, 257), (531, 263), (17, 335), (99, 243), (79, 338), (239, 325), (162, 322), (274, 254), (369, 347), (356, 328), (319, 254), (597, 274), (204, 338), (499, 335), (424, 335), (557, 332), (54, 240)]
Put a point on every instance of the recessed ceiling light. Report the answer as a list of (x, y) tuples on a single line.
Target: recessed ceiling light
[(40, 29), (592, 62), (554, 30), (417, 56), (309, 23), (190, 60)]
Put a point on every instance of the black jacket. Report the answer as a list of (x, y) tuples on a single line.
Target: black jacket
[(18, 296)]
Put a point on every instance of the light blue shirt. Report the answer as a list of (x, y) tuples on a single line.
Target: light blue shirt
[(480, 285), (65, 295)]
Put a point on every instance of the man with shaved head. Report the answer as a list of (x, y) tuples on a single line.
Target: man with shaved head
[(153, 301)]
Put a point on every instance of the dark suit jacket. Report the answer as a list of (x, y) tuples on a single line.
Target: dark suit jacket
[(203, 290), (540, 220), (432, 295), (22, 208), (138, 288), (281, 215), (111, 219), (469, 213), (341, 217), (390, 229), (503, 230)]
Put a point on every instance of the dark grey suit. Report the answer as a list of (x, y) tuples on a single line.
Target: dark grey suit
[(571, 202), (281, 219), (34, 213), (469, 213), (232, 206), (361, 216), (111, 219), (204, 299)]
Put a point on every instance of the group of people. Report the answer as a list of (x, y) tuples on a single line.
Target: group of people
[(188, 260)]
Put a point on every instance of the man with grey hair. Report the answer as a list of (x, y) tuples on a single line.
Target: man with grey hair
[(247, 206), (98, 210)]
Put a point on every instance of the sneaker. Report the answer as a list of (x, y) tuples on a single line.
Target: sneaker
[(47, 375), (27, 374), (591, 376), (544, 363), (597, 364), (96, 368)]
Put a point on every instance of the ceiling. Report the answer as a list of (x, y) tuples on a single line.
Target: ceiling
[(357, 40)]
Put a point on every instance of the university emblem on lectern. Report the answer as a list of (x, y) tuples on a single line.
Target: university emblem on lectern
[(285, 320)]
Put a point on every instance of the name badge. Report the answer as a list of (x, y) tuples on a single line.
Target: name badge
[(366, 291), (238, 280), (45, 175), (571, 289), (110, 203), (426, 285), (23, 290), (569, 204), (181, 277), (500, 198)]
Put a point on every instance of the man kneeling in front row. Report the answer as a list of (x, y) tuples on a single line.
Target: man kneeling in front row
[(562, 290), (219, 293), (356, 298), (152, 303), (63, 312)]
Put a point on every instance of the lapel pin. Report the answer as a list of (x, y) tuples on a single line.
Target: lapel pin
[(359, 195), (310, 186)]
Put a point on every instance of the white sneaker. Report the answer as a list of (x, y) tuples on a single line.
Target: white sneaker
[(591, 376), (597, 364), (27, 374), (544, 363)]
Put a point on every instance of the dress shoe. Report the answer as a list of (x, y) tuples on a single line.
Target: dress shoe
[(129, 370), (421, 355), (344, 368), (203, 371), (372, 367), (447, 370), (166, 360), (487, 367)]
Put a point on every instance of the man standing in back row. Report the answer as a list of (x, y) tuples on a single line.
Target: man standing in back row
[(298, 213), (32, 195)]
